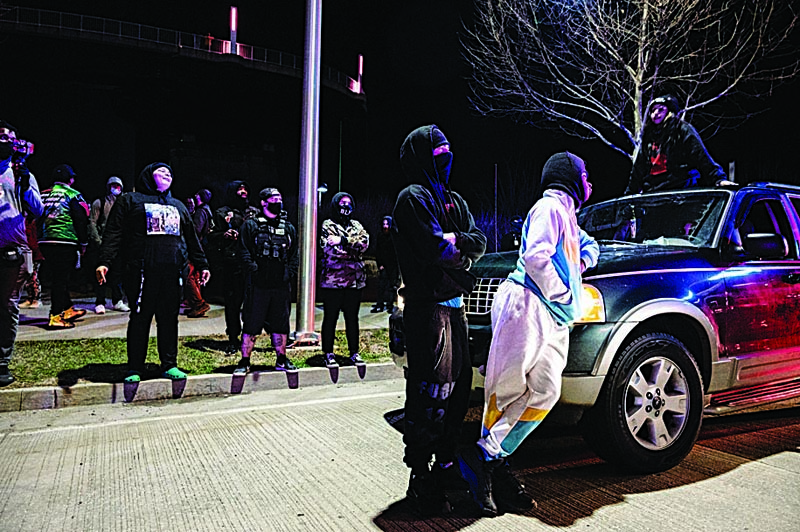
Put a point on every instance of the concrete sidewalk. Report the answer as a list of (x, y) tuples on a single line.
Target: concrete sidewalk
[(113, 324)]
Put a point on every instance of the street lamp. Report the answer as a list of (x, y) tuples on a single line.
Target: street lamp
[(322, 189)]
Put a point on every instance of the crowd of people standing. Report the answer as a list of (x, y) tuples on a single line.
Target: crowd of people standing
[(156, 254), (152, 245)]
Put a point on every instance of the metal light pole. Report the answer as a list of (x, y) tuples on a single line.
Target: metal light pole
[(307, 203)]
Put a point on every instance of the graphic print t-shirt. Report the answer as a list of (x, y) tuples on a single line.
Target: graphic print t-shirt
[(162, 219)]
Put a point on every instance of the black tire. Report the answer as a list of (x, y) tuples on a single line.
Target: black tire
[(648, 415)]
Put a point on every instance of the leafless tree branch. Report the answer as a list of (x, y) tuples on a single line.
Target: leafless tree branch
[(589, 67)]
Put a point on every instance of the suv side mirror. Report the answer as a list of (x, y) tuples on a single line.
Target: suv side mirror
[(766, 245)]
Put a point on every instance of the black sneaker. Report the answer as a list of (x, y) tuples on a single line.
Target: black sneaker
[(356, 359), (508, 491), (243, 367), (284, 364), (425, 497), (330, 361), (449, 477), (478, 474)]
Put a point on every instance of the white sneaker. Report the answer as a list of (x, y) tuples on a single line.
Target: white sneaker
[(121, 306), (99, 309)]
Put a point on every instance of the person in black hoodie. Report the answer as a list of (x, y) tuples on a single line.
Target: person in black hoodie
[(672, 155), (436, 241), (224, 240), (388, 273), (154, 236)]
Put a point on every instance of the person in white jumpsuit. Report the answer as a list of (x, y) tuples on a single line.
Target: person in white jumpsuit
[(531, 314)]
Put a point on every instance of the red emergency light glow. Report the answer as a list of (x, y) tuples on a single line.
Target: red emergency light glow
[(234, 18)]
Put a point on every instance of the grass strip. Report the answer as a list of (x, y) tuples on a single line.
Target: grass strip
[(68, 362)]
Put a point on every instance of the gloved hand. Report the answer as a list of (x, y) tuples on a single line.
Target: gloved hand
[(22, 175)]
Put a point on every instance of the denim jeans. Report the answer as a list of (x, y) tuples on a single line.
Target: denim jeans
[(11, 280)]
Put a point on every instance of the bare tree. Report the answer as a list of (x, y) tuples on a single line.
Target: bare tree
[(589, 67)]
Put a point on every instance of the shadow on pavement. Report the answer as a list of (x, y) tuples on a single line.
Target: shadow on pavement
[(206, 344), (103, 372), (570, 483)]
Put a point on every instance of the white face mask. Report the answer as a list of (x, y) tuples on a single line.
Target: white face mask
[(116, 191)]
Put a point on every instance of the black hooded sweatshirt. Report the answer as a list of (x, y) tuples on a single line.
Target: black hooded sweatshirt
[(682, 154), (432, 269), (226, 248), (151, 231)]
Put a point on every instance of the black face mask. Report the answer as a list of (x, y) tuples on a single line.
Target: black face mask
[(6, 150), (345, 210), (275, 207), (443, 163)]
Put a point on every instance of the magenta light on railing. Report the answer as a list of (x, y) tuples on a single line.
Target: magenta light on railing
[(234, 18)]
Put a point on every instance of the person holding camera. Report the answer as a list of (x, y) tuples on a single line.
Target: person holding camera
[(269, 254), (19, 197)]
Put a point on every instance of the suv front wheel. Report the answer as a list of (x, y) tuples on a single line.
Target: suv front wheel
[(648, 415)]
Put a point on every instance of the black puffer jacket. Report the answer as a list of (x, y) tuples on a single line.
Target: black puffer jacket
[(432, 269), (151, 231)]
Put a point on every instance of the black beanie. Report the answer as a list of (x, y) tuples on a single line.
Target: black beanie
[(563, 171)]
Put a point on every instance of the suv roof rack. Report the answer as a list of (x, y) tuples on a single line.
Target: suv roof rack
[(765, 184)]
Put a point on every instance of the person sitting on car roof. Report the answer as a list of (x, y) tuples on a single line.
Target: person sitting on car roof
[(672, 155)]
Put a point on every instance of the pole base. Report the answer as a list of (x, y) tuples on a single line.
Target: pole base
[(304, 339)]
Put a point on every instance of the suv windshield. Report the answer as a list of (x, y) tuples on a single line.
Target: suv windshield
[(685, 218)]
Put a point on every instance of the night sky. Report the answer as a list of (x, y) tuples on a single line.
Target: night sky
[(414, 74)]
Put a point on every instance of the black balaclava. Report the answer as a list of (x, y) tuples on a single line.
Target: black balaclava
[(389, 218), (419, 164), (339, 215), (265, 194), (145, 183), (563, 171)]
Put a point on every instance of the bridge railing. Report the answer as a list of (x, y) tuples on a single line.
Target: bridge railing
[(41, 18)]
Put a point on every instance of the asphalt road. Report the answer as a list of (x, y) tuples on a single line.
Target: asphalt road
[(325, 459)]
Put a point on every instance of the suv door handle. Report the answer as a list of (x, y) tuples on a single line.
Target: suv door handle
[(791, 278)]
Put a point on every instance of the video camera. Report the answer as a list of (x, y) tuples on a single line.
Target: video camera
[(22, 149)]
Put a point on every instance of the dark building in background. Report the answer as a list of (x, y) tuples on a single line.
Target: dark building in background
[(109, 104)]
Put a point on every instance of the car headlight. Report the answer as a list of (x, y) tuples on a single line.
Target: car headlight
[(594, 310)]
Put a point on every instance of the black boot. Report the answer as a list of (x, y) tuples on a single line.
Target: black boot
[(424, 495), (478, 473), (6, 377), (509, 492)]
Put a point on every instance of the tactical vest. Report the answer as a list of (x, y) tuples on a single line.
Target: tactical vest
[(272, 243)]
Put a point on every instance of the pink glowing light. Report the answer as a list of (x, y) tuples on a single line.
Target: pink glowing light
[(234, 18)]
